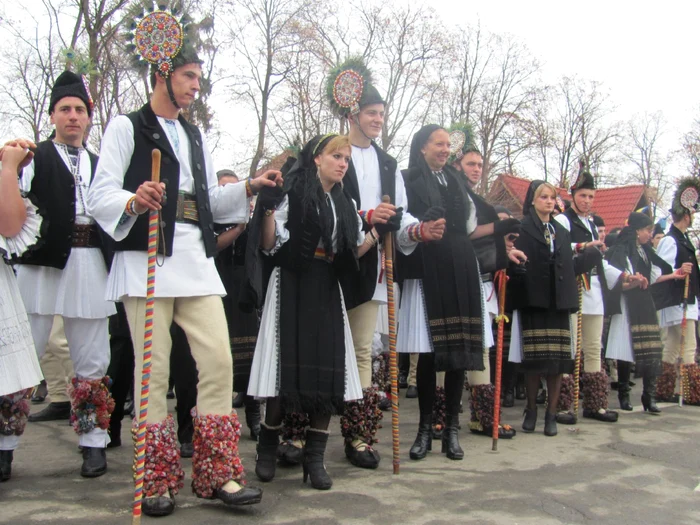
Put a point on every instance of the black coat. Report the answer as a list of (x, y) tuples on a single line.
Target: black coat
[(531, 286)]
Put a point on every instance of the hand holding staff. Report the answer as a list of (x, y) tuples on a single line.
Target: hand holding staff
[(140, 445), (393, 364)]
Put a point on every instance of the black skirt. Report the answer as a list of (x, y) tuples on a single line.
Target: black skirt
[(311, 340), (546, 341)]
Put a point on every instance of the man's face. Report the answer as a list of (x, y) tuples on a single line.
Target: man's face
[(601, 233), (70, 116), (472, 164), (657, 239), (583, 201), (185, 83), (370, 120)]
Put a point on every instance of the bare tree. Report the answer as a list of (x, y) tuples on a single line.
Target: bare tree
[(691, 148), (643, 151)]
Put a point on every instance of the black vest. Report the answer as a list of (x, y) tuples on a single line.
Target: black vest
[(387, 177), (670, 293), (149, 135), (53, 188), (580, 234)]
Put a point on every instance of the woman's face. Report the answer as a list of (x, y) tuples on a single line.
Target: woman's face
[(545, 201), (437, 150), (644, 235), (332, 166)]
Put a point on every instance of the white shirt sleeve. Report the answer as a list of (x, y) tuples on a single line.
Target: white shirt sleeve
[(668, 250), (25, 181), (360, 233), (612, 274), (405, 244), (229, 203), (471, 220), (107, 198), (281, 231), (564, 221)]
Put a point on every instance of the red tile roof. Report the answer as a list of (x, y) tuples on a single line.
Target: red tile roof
[(613, 204)]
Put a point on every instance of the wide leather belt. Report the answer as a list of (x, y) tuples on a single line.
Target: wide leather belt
[(187, 209), (85, 236), (320, 253)]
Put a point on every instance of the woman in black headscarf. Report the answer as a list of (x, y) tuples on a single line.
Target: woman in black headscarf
[(304, 359), (543, 295), (634, 335), (441, 305)]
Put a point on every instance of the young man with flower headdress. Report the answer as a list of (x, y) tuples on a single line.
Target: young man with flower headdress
[(677, 249), (188, 289), (67, 274), (493, 244), (579, 222)]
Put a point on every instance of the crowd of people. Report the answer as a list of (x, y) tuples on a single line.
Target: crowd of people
[(275, 288)]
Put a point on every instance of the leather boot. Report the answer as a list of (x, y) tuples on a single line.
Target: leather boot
[(266, 460), (423, 442), (52, 412), (94, 462), (252, 416), (649, 396), (450, 439), (530, 420), (550, 424), (623, 395), (314, 451), (6, 464)]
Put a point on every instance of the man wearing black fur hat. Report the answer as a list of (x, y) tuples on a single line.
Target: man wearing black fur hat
[(188, 289), (67, 275), (578, 221), (677, 249)]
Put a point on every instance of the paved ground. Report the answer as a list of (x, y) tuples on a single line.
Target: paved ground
[(643, 469)]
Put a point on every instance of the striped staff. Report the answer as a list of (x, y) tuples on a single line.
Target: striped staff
[(140, 445), (499, 280), (579, 337), (393, 361), (682, 372)]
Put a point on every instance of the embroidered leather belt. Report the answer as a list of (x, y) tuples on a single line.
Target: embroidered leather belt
[(486, 277), (85, 236), (187, 209), (320, 253)]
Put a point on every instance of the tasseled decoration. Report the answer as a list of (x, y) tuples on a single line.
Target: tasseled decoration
[(14, 410), (91, 404), (666, 383), (481, 405), (692, 390), (215, 461), (294, 426), (595, 391), (163, 470), (439, 409), (361, 419), (566, 395), (380, 373)]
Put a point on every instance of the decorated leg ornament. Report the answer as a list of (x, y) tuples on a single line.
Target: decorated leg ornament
[(481, 405), (566, 401), (381, 380), (291, 450), (91, 404), (163, 472), (359, 425), (14, 410), (439, 407), (692, 386), (666, 383), (595, 397)]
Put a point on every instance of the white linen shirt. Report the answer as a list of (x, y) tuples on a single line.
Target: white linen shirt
[(673, 315), (188, 272)]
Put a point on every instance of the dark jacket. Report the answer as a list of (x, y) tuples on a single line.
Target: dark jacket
[(670, 293), (149, 135), (53, 192), (531, 287)]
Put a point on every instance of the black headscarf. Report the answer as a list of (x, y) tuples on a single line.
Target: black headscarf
[(303, 180), (415, 158), (626, 244)]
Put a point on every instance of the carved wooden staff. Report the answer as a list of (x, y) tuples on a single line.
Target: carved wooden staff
[(579, 338), (499, 280), (682, 378), (393, 361), (140, 439)]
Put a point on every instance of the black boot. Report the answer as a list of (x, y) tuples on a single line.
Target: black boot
[(6, 464), (252, 416), (94, 462), (158, 505), (52, 412), (623, 395), (314, 451), (239, 400), (509, 398), (649, 396), (423, 442), (450, 439), (530, 420), (550, 424), (266, 460)]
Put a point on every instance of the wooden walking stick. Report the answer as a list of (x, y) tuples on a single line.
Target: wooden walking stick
[(579, 338), (393, 361), (682, 378), (140, 440), (500, 279)]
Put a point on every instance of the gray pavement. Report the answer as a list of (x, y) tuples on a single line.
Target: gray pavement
[(643, 469)]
